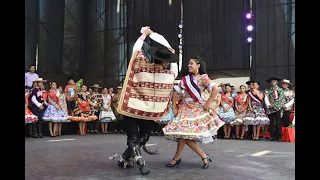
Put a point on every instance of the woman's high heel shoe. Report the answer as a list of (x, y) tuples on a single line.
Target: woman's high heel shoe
[(177, 162), (206, 165)]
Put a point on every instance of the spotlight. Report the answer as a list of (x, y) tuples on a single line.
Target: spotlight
[(249, 39), (250, 28), (180, 46), (180, 36), (180, 26), (248, 15)]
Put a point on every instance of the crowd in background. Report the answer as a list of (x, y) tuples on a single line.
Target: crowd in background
[(94, 108)]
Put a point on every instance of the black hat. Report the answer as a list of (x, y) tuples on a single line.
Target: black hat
[(273, 78), (162, 54), (251, 81)]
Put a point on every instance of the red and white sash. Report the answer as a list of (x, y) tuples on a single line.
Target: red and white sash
[(241, 102), (254, 97), (226, 99), (192, 88)]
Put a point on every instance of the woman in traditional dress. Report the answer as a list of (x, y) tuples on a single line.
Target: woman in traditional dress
[(29, 117), (256, 114), (63, 104), (241, 106), (54, 113), (226, 110), (193, 123), (82, 109), (106, 115)]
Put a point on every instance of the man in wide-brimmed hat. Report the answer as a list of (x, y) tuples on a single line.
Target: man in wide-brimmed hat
[(39, 105), (223, 87), (157, 55), (289, 97), (115, 100), (274, 100), (96, 103)]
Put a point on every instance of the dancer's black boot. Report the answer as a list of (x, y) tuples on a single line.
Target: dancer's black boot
[(134, 149), (125, 160)]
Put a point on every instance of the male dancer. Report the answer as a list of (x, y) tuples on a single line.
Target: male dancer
[(275, 100), (96, 103), (39, 105), (139, 130), (289, 96)]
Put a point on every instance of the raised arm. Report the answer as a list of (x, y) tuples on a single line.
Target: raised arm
[(139, 43)]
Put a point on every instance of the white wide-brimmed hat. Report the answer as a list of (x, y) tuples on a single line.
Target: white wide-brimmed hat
[(286, 81), (119, 87), (176, 81), (95, 86), (40, 80)]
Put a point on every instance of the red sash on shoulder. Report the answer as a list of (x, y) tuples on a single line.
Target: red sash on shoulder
[(254, 97), (226, 99), (240, 101), (53, 96)]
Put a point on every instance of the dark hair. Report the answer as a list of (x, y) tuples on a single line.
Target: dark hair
[(227, 85), (242, 86), (199, 60), (31, 65)]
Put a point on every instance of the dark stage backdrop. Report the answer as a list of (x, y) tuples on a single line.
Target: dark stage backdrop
[(273, 46), (215, 30), (159, 15)]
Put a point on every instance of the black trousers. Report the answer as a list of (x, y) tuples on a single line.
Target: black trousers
[(286, 118), (250, 131), (137, 127), (37, 127), (275, 125), (94, 125)]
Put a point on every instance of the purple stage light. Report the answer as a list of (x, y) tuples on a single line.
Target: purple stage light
[(248, 16), (249, 39)]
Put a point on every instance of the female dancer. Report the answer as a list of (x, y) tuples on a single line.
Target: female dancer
[(106, 115), (193, 123), (256, 114), (63, 104), (29, 117), (54, 114), (226, 110), (82, 109), (241, 105)]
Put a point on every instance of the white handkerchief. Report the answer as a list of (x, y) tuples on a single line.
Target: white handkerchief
[(144, 28), (160, 39)]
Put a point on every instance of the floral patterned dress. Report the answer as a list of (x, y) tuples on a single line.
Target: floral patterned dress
[(106, 116), (192, 121), (258, 114), (82, 109), (242, 104), (53, 114), (228, 116), (29, 117)]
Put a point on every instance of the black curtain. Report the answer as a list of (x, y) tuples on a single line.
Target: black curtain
[(31, 31), (215, 30), (73, 42), (273, 49), (162, 18), (51, 36)]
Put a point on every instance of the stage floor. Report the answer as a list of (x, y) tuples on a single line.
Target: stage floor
[(75, 157)]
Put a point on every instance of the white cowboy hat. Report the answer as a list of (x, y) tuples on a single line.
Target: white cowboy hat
[(222, 84), (40, 80), (286, 81), (119, 87), (95, 86)]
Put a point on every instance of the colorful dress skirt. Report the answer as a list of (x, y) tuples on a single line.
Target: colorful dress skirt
[(82, 116), (29, 117), (193, 123), (52, 114), (167, 117), (107, 116), (228, 116), (257, 116), (239, 117)]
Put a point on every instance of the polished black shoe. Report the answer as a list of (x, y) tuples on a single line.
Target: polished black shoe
[(96, 132), (177, 162), (41, 136), (206, 165), (35, 136), (271, 139)]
